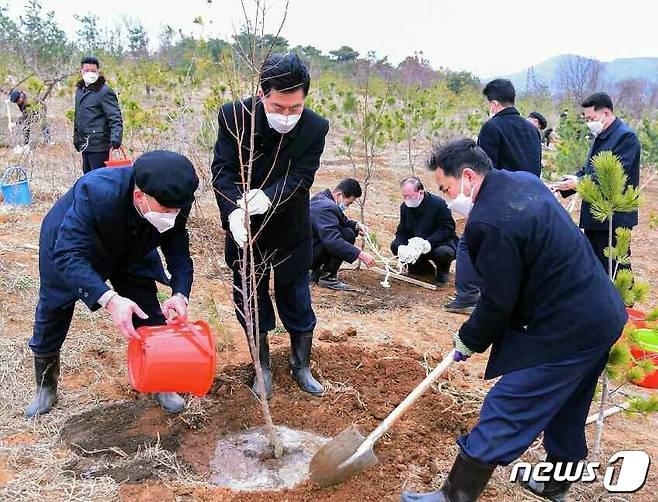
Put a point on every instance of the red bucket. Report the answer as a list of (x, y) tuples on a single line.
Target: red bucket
[(122, 161), (177, 357), (651, 379), (636, 317)]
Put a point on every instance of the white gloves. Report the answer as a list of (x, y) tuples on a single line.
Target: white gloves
[(408, 255), (421, 245), (259, 203), (237, 225)]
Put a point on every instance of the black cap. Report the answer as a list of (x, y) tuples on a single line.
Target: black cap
[(166, 176), (14, 96), (540, 118)]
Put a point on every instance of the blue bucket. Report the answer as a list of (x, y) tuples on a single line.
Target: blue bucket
[(16, 192)]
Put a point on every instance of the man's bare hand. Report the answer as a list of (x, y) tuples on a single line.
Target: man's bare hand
[(121, 310)]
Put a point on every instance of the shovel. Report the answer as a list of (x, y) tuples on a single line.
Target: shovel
[(349, 453)]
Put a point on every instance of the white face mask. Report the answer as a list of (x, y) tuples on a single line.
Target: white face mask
[(90, 77), (161, 221), (282, 123), (596, 126), (414, 202), (461, 204)]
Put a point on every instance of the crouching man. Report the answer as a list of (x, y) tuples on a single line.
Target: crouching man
[(107, 227), (334, 234), (425, 219), (548, 311)]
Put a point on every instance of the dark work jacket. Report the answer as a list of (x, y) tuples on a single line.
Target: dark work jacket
[(622, 141), (544, 294), (327, 220), (511, 142), (97, 119), (431, 220), (286, 177), (94, 232)]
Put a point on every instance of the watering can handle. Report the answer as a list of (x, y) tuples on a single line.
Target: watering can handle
[(388, 422), (121, 149), (10, 170)]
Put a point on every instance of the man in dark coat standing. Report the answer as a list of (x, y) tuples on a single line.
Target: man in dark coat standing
[(97, 125), (548, 311), (512, 143), (287, 145), (334, 234), (610, 134), (425, 217), (107, 227)]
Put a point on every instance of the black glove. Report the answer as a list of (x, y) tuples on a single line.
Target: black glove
[(115, 143)]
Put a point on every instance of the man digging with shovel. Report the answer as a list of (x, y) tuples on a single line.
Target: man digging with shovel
[(548, 311)]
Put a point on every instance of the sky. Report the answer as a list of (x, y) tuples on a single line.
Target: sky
[(488, 38)]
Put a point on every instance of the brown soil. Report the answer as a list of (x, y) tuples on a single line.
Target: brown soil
[(363, 388)]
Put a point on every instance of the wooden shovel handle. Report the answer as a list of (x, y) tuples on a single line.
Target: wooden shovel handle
[(386, 424)]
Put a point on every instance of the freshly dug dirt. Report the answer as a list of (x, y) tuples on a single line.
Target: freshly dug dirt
[(363, 387)]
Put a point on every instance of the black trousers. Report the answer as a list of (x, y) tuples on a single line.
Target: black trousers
[(325, 264), (441, 255), (599, 241), (293, 303), (93, 160), (52, 326)]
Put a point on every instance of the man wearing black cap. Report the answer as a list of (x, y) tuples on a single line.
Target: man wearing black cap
[(288, 143), (97, 125), (31, 113), (108, 227)]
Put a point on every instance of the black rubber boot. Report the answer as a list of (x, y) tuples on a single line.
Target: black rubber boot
[(264, 358), (46, 372), (465, 483), (553, 490), (300, 360)]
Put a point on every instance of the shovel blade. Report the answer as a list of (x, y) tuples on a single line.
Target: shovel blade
[(329, 465)]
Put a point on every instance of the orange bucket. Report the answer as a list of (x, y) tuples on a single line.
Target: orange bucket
[(122, 161), (177, 357), (636, 317), (650, 380)]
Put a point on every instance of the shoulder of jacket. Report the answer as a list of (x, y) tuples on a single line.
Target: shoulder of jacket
[(316, 120)]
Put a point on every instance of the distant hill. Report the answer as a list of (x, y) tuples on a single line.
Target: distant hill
[(614, 71)]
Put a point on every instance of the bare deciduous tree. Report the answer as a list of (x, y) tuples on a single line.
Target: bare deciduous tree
[(577, 76)]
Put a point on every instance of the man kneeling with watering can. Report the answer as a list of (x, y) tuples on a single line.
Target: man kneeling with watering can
[(107, 227), (547, 309)]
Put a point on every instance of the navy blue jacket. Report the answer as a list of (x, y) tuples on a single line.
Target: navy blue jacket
[(511, 142), (544, 294), (284, 168), (327, 220), (94, 232), (431, 220), (622, 141)]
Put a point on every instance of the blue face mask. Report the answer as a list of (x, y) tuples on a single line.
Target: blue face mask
[(342, 206)]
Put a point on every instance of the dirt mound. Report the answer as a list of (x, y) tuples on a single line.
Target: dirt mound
[(362, 388)]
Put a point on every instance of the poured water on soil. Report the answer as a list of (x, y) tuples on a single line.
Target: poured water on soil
[(242, 461)]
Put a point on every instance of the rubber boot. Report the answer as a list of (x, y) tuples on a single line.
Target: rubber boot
[(465, 483), (553, 490), (46, 372), (264, 358), (300, 360), (170, 401)]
